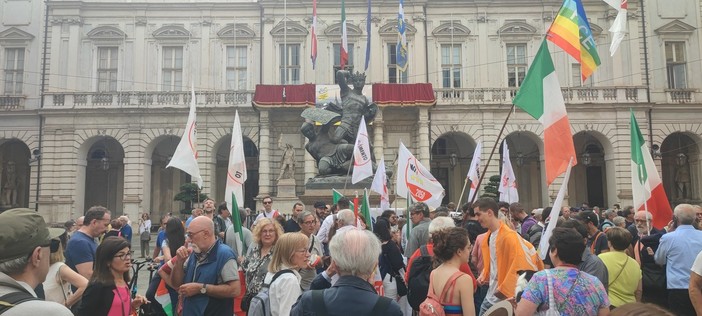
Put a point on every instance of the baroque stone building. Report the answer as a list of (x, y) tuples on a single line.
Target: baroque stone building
[(116, 75)]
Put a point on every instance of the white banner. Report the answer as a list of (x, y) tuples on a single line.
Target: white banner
[(185, 155), (508, 182), (380, 185), (415, 180), (362, 163)]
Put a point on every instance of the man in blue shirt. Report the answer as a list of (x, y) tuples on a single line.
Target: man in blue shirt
[(677, 250), (126, 229), (80, 250)]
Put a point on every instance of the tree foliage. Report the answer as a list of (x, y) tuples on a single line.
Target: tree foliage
[(189, 194), (491, 188)]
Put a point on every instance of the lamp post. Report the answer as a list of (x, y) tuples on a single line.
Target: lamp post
[(453, 160), (586, 159)]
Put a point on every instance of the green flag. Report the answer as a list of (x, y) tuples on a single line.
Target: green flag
[(365, 210), (336, 196), (236, 220)]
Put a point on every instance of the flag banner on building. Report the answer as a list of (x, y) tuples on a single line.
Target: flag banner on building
[(415, 180), (368, 32), (508, 182), (555, 213), (646, 185), (474, 171), (236, 174), (362, 162), (313, 31), (401, 50), (185, 155), (570, 30), (618, 28), (344, 51), (540, 96), (365, 210), (380, 185)]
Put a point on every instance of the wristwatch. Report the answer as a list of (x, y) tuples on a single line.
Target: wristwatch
[(203, 290)]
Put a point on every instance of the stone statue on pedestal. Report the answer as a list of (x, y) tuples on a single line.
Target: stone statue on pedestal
[(287, 163), (332, 149), (682, 176), (9, 188)]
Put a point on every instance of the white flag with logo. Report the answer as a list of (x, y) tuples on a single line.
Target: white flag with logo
[(236, 172), (474, 171), (555, 212), (508, 183), (362, 163), (415, 180), (185, 156), (380, 185)]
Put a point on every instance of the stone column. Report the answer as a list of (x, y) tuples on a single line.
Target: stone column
[(264, 165), (133, 172), (378, 137), (424, 145)]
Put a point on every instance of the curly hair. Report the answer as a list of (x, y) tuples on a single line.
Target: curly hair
[(258, 230), (448, 241)]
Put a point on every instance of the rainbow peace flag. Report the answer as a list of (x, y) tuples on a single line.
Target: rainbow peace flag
[(571, 32)]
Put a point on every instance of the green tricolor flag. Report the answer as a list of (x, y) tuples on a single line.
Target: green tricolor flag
[(236, 221), (365, 210), (336, 196)]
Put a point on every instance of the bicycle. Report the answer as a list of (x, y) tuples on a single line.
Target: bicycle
[(137, 265)]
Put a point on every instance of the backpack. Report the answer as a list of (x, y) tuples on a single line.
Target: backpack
[(13, 299), (432, 304), (418, 278), (261, 303)]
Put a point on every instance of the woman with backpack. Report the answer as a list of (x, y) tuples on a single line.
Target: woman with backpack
[(450, 289), (290, 255)]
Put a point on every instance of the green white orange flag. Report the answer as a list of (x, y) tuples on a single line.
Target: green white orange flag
[(344, 51), (540, 96), (646, 185), (365, 210)]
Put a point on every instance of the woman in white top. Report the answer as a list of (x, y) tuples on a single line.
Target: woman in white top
[(57, 286), (144, 227), (290, 254)]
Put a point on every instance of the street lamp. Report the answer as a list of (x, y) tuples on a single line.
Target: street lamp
[(453, 160), (520, 159), (586, 158)]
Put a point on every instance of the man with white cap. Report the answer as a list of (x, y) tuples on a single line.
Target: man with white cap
[(24, 263)]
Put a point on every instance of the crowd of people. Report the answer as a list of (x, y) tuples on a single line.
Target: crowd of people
[(328, 261)]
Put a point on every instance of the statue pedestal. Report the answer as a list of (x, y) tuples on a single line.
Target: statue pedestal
[(286, 197), (320, 189)]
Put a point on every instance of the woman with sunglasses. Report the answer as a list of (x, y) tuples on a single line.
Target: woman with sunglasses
[(57, 286), (108, 293), (255, 264)]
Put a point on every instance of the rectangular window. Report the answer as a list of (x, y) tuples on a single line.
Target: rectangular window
[(676, 65), (236, 68), (14, 70), (290, 64), (576, 80), (394, 74), (172, 69), (516, 64), (107, 69), (337, 59), (451, 66)]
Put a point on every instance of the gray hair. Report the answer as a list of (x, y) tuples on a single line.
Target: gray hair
[(303, 214), (355, 252), (346, 217), (646, 214), (15, 266), (608, 213), (440, 223), (420, 207), (618, 220), (685, 214)]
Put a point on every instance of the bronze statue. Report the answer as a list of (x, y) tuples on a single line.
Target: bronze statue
[(11, 184), (332, 149), (682, 176)]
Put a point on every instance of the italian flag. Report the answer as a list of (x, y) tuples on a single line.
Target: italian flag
[(163, 298), (344, 41), (646, 185), (540, 96)]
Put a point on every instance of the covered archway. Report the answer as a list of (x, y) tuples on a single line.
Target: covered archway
[(104, 175), (15, 175), (589, 181), (525, 150), (451, 154), (165, 182), (680, 164), (222, 163)]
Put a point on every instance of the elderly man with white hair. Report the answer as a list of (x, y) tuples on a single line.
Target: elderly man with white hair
[(354, 255)]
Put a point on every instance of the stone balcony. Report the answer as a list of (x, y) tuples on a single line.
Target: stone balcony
[(579, 95), (680, 95), (144, 99), (12, 102)]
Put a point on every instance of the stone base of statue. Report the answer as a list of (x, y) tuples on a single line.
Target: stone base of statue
[(286, 188), (286, 197), (320, 189)]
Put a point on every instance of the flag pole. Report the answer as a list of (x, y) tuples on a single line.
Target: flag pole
[(497, 142), (460, 197)]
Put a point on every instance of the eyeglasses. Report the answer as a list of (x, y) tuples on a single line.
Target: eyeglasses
[(125, 255), (312, 222), (268, 232), (269, 202), (190, 235), (303, 250)]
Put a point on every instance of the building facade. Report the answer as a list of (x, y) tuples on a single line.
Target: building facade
[(117, 75)]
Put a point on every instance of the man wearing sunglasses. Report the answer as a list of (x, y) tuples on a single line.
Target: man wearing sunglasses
[(24, 263), (268, 211)]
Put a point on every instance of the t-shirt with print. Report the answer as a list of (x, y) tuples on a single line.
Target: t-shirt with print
[(587, 297)]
